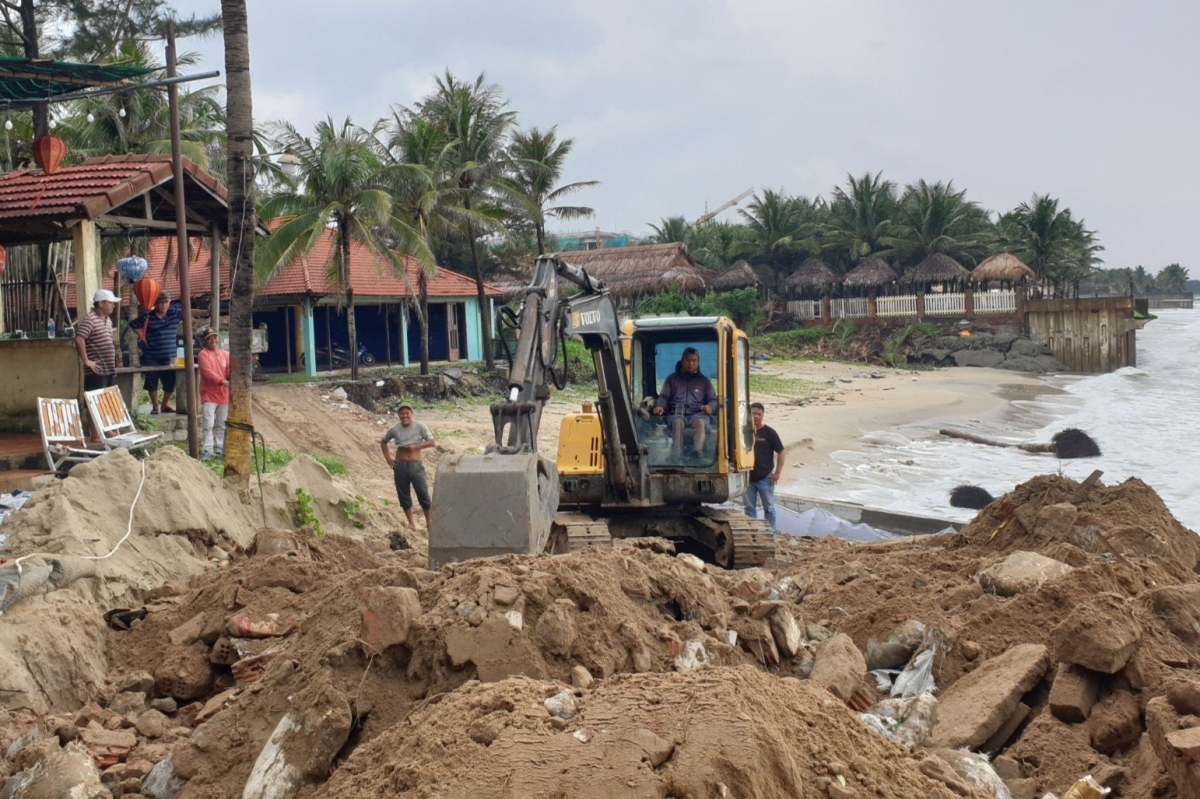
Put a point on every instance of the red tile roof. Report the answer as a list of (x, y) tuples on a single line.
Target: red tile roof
[(92, 188), (370, 275)]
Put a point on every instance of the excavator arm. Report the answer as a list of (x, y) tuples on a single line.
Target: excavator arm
[(504, 500)]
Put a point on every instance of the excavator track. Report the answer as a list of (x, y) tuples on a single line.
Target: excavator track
[(575, 531), (750, 539)]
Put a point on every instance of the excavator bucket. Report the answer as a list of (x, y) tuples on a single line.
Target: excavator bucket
[(488, 505)]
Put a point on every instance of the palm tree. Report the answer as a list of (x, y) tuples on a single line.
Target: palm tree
[(781, 231), (1172, 278), (476, 124), (671, 229), (343, 192), (718, 244), (536, 165), (139, 121), (239, 125), (432, 200), (1055, 245), (934, 218), (861, 215)]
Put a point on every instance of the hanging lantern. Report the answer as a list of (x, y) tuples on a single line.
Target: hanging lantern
[(132, 267), (48, 152), (3, 259), (146, 290)]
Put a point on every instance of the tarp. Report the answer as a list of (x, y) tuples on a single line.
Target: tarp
[(26, 80)]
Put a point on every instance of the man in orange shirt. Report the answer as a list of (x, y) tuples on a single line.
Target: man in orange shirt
[(214, 393)]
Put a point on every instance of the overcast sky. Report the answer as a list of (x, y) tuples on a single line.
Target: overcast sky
[(674, 103)]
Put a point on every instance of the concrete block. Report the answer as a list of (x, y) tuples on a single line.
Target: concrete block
[(1073, 693), (976, 707)]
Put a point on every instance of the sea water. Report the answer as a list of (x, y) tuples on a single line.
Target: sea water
[(1144, 418)]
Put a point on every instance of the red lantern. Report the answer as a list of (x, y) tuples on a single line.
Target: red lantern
[(3, 259), (146, 290), (48, 152)]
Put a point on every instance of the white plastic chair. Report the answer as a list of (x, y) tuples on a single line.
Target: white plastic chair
[(112, 421), (62, 432)]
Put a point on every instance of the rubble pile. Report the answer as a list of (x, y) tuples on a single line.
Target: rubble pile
[(1052, 638)]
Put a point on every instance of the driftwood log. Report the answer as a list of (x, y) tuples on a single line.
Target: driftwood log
[(1065, 444)]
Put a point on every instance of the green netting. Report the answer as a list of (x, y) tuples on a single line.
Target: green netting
[(23, 80)]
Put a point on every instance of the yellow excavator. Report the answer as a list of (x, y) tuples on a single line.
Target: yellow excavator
[(622, 471)]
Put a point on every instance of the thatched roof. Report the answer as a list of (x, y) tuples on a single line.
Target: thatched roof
[(813, 274), (1002, 267), (937, 268), (738, 276), (870, 273), (642, 269)]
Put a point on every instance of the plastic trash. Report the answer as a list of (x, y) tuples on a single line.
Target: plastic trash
[(1087, 788), (693, 656), (884, 679), (917, 677), (908, 722)]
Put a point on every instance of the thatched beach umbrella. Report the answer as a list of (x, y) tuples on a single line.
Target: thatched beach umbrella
[(1003, 268), (813, 276), (872, 273), (937, 268), (738, 276)]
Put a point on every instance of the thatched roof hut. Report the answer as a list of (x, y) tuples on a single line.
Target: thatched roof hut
[(738, 276), (937, 268), (813, 276), (871, 273), (628, 271), (1002, 267)]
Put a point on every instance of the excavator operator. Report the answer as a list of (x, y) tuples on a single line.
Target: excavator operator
[(690, 399)]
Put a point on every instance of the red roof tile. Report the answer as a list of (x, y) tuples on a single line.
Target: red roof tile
[(92, 188)]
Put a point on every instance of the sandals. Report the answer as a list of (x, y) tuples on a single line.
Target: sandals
[(168, 409)]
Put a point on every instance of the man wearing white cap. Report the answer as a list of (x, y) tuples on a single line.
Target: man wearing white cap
[(95, 344)]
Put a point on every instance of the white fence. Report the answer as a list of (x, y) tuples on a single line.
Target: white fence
[(945, 304), (849, 308), (995, 301), (905, 305), (806, 310)]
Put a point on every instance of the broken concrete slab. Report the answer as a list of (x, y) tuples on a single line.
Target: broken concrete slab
[(1006, 731), (1021, 572), (973, 709), (1073, 693), (1100, 634), (387, 616), (1161, 722), (497, 650)]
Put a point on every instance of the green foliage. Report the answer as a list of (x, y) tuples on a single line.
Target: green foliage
[(742, 305), (1055, 245), (1173, 279), (351, 506), (894, 353), (333, 465), (777, 386), (302, 513)]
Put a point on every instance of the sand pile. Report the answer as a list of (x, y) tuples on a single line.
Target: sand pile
[(1059, 632), (332, 500)]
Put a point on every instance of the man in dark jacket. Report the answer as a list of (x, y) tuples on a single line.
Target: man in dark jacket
[(158, 329), (687, 398)]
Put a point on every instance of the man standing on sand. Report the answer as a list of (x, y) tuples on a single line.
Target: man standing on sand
[(410, 437), (687, 397), (767, 468), (214, 392), (94, 342)]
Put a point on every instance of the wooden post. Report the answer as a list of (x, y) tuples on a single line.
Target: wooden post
[(871, 306), (85, 251), (968, 303), (920, 305), (214, 300), (181, 259), (826, 313)]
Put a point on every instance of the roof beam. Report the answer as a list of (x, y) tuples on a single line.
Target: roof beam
[(192, 215), (152, 224)]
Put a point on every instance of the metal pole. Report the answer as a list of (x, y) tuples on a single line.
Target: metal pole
[(185, 288)]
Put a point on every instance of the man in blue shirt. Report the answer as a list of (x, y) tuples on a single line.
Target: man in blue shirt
[(687, 398), (158, 328)]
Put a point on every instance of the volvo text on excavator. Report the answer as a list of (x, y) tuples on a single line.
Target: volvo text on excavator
[(621, 470)]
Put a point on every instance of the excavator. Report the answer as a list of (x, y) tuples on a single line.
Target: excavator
[(621, 471)]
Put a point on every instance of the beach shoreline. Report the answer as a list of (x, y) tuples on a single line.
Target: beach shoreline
[(844, 406)]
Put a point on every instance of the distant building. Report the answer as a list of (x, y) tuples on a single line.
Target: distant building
[(575, 240)]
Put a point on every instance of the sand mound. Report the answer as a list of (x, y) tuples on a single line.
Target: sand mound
[(332, 500), (717, 732)]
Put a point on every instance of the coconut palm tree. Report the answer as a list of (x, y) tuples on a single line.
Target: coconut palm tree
[(343, 191), (476, 123), (1055, 245), (239, 125), (1172, 278), (536, 161), (139, 121), (934, 218), (861, 215), (781, 231), (671, 229)]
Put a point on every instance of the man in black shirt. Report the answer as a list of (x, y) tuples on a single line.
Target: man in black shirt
[(767, 468)]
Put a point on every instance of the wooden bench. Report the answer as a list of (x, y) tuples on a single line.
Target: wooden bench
[(62, 432), (111, 420)]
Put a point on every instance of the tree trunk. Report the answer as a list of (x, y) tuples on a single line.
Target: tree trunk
[(484, 310), (240, 128), (423, 311), (541, 238), (351, 325)]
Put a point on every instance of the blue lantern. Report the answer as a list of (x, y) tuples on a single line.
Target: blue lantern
[(132, 267)]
